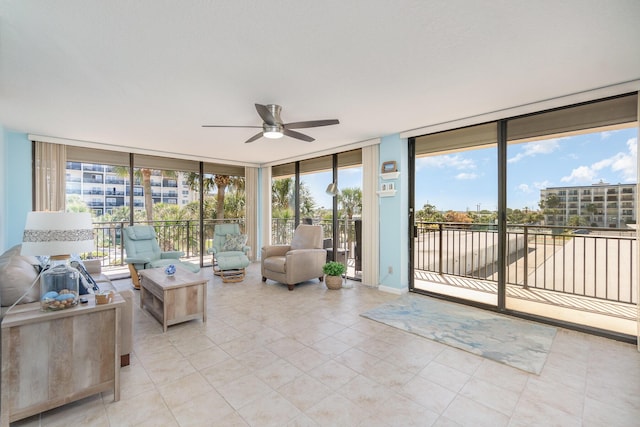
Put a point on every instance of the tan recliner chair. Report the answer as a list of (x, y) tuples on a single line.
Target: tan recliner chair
[(300, 261)]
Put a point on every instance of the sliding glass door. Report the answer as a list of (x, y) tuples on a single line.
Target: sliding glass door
[(534, 215), (456, 201), (299, 195), (572, 193)]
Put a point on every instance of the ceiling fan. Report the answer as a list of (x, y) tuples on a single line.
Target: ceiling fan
[(273, 127)]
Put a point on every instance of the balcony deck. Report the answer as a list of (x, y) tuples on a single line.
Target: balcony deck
[(597, 313)]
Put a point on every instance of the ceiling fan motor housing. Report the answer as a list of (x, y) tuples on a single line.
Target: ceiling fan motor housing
[(275, 112)]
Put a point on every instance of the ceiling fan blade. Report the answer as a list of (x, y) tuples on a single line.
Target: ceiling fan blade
[(266, 115), (311, 124), (297, 135), (224, 126), (254, 137)]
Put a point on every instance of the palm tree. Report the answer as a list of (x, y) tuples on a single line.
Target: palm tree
[(234, 205), (350, 200), (193, 181), (144, 176), (282, 194), (221, 182)]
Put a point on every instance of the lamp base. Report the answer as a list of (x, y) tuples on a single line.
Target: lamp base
[(59, 285)]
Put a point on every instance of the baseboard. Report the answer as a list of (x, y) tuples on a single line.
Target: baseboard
[(391, 290)]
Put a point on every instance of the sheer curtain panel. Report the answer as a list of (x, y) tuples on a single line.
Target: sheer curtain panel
[(49, 170)]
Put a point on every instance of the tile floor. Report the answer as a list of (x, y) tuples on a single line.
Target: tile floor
[(270, 357)]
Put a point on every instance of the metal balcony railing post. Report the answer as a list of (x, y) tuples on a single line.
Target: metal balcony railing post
[(440, 248), (526, 258), (121, 243), (188, 237)]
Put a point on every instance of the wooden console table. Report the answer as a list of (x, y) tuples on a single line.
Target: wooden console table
[(52, 358), (174, 299)]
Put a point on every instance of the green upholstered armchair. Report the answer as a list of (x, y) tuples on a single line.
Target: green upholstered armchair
[(143, 251), (220, 247)]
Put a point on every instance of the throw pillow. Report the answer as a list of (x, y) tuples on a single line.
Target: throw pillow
[(17, 276), (234, 242)]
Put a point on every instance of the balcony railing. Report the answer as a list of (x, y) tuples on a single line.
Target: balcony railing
[(592, 262), (172, 235), (184, 236)]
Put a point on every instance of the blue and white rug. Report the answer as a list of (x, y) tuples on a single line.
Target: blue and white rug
[(518, 343)]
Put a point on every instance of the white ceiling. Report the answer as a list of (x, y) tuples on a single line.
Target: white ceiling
[(146, 74)]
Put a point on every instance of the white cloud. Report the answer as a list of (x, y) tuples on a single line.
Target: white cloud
[(534, 148), (447, 161), (608, 133), (581, 174), (539, 185), (465, 175), (633, 146), (524, 188), (624, 164)]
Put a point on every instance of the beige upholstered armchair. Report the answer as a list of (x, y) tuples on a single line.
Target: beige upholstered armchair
[(298, 262)]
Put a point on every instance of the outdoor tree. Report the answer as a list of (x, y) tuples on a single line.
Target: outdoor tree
[(234, 205), (282, 194), (453, 216), (224, 185), (221, 182), (143, 175), (577, 221), (350, 203), (549, 205), (283, 198), (429, 213), (515, 216), (193, 181), (74, 203)]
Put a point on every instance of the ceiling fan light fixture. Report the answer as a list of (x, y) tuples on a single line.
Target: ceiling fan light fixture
[(272, 131)]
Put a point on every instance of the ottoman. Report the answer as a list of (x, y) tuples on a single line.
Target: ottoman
[(232, 266)]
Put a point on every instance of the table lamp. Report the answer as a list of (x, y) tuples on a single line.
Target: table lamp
[(58, 235)]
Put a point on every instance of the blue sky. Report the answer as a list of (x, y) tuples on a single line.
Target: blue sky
[(317, 183), (463, 180)]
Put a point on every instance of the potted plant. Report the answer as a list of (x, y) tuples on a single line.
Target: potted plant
[(333, 274)]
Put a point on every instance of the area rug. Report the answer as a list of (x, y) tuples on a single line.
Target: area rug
[(518, 343)]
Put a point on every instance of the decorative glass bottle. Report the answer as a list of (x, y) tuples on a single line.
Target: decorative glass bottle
[(59, 285)]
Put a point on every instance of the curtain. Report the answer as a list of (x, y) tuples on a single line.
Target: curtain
[(50, 161), (370, 216), (251, 210), (266, 205)]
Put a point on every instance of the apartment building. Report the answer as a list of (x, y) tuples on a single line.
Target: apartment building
[(597, 205), (103, 189)]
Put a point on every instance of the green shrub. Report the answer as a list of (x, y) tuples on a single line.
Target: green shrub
[(334, 268), (92, 255)]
